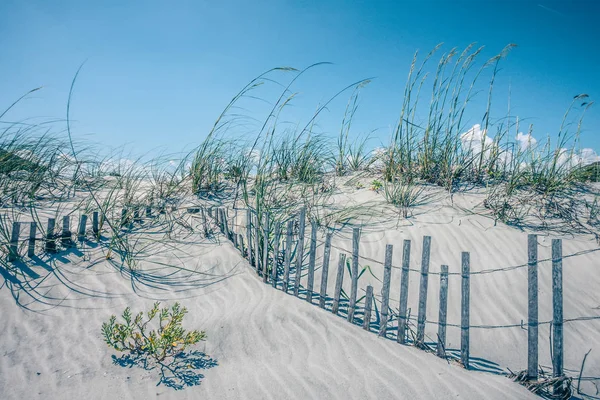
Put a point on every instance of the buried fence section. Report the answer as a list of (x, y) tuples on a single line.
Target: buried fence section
[(325, 270), (300, 250), (420, 340), (402, 321), (276, 253), (385, 291), (95, 225), (66, 231), (338, 284), (82, 226), (265, 247), (287, 261), (368, 305), (532, 309), (13, 249), (312, 255), (441, 347), (464, 314), (354, 273), (50, 241), (557, 315), (31, 243)]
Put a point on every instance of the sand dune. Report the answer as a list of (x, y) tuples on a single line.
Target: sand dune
[(268, 344)]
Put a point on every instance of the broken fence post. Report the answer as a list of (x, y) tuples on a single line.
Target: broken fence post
[(368, 305), (13, 250)]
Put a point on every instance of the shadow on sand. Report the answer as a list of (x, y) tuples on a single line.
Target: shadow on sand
[(180, 372)]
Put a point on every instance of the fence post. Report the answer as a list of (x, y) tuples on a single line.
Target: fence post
[(402, 322), (354, 286), (50, 241), (136, 214), (557, 315), (249, 233), (300, 251), (420, 341), (311, 261), (32, 233), (241, 240), (148, 212), (13, 252), (368, 305), (325, 270), (385, 291), (265, 253), (276, 253), (532, 311), (66, 231), (287, 258), (441, 347), (338, 284), (82, 226), (95, 225), (464, 317)]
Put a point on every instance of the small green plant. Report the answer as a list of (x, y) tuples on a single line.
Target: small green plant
[(376, 185), (359, 185), (135, 336)]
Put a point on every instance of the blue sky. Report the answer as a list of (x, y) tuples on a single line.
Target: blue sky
[(158, 73)]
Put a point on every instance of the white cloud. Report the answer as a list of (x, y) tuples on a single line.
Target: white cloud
[(476, 139), (526, 141), (588, 156)]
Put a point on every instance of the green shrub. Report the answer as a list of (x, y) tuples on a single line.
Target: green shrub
[(135, 336)]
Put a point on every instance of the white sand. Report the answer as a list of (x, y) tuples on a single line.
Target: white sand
[(271, 345)]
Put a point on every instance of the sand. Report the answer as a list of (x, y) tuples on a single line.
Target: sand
[(268, 344)]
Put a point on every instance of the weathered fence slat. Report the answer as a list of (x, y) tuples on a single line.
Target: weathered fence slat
[(265, 250), (95, 223), (325, 270), (402, 322), (464, 315), (13, 250), (82, 226), (368, 305), (136, 214), (287, 258), (66, 231), (422, 316), (441, 347), (385, 290), (277, 239), (354, 284), (300, 250), (257, 244), (31, 244), (123, 217), (249, 234), (148, 212), (225, 223), (312, 257), (50, 241), (557, 314), (338, 284), (532, 311)]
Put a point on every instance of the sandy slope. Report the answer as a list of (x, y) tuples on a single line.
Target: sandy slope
[(268, 344)]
